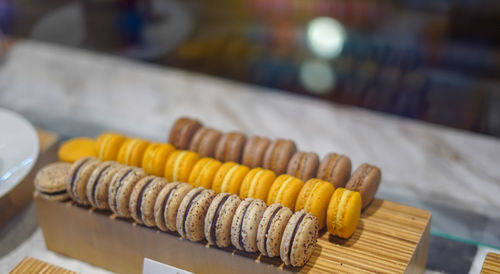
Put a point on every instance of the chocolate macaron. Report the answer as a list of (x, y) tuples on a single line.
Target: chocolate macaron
[(299, 239), (254, 150), (76, 182), (182, 132), (230, 147), (143, 198), (303, 165), (366, 180), (271, 229), (50, 181), (98, 183), (120, 189), (205, 141), (278, 155), (219, 218), (246, 223), (335, 168), (167, 204), (191, 213)]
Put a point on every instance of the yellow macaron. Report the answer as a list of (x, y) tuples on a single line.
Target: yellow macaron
[(257, 183), (314, 198), (179, 165), (155, 158), (343, 212), (132, 151), (108, 145), (203, 172), (284, 190), (77, 148), (229, 178)]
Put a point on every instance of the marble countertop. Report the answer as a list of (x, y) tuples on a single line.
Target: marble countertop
[(452, 173)]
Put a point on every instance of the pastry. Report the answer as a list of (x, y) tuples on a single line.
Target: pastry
[(191, 214), (179, 165), (77, 148), (278, 155), (365, 180), (205, 141), (98, 183), (335, 168), (303, 165), (203, 172), (76, 182), (314, 198), (132, 151), (230, 147), (155, 158), (167, 203), (143, 198), (108, 146), (229, 178), (271, 229), (254, 150), (120, 188), (182, 132), (299, 239), (50, 181), (284, 190), (219, 218), (343, 213), (257, 183), (245, 224)]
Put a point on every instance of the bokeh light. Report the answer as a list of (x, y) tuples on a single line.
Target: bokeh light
[(317, 76), (325, 37)]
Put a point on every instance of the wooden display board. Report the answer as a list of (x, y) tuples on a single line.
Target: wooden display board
[(491, 264), (32, 265), (390, 238)]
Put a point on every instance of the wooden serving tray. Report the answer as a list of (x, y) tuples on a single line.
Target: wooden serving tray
[(390, 238), (32, 265)]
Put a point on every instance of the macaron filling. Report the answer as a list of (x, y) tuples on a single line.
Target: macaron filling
[(240, 235), (75, 174), (269, 224), (139, 201), (213, 235), (52, 193), (292, 239), (188, 208), (119, 184), (164, 205), (94, 186)]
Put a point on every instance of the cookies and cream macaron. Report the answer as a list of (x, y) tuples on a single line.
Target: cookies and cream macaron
[(191, 214), (271, 229), (120, 189), (50, 181), (245, 224), (219, 218), (79, 174), (98, 183), (167, 204), (143, 198), (299, 239)]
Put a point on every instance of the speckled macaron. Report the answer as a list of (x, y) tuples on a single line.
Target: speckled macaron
[(219, 218), (230, 147), (271, 229), (254, 150), (299, 239), (303, 165), (191, 214), (120, 189), (167, 204), (278, 155), (143, 198), (79, 174), (50, 181), (98, 183), (246, 223)]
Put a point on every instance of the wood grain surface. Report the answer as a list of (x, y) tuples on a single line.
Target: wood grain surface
[(32, 265), (491, 264)]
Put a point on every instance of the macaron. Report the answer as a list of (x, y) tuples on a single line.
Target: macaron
[(343, 213), (229, 178), (79, 174), (271, 228), (365, 180), (246, 223), (191, 214), (230, 147), (335, 168), (50, 181), (254, 150), (77, 148), (314, 198), (205, 141), (132, 151), (278, 155), (284, 190), (167, 204), (219, 218), (299, 239), (257, 183), (143, 198), (98, 183), (108, 145), (303, 165), (120, 188), (155, 157), (179, 165), (203, 172), (182, 132)]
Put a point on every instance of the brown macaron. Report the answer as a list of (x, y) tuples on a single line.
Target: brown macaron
[(299, 239), (50, 181), (365, 180), (98, 183), (191, 213), (182, 132), (278, 155), (303, 165), (219, 218), (246, 223), (143, 198), (205, 141), (335, 168), (167, 204), (79, 173), (120, 188), (254, 150), (271, 229), (230, 147)]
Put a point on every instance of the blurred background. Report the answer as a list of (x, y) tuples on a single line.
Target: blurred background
[(436, 61)]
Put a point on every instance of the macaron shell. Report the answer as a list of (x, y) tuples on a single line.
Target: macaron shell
[(236, 224), (217, 204), (271, 229), (192, 211), (77, 183), (366, 180), (304, 193), (317, 202), (175, 130), (304, 242), (260, 184), (185, 134), (247, 226), (167, 204), (109, 145), (101, 190), (149, 199), (233, 179), (278, 155), (254, 150), (123, 191), (205, 142), (220, 174), (219, 217), (179, 165), (52, 177), (77, 148), (196, 140), (155, 157), (303, 165), (230, 147), (287, 192), (95, 177), (335, 169), (203, 172), (132, 152), (343, 213)]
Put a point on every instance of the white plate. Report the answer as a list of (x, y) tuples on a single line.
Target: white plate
[(19, 149)]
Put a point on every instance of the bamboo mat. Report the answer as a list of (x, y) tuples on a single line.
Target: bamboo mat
[(32, 265)]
